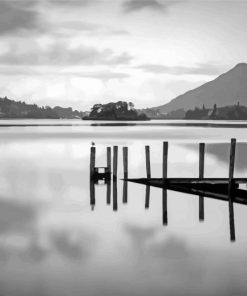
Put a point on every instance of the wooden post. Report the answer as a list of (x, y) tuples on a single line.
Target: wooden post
[(92, 161), (115, 203), (108, 152), (148, 168), (201, 176), (125, 192), (164, 191), (230, 187), (115, 161), (147, 198), (125, 162)]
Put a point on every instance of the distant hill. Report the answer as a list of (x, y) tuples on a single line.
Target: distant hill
[(13, 109), (228, 89)]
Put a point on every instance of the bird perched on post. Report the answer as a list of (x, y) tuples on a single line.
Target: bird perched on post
[(92, 143)]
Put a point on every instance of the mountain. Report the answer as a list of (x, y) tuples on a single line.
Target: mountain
[(228, 89)]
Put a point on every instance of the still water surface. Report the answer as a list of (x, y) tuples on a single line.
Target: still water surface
[(51, 243)]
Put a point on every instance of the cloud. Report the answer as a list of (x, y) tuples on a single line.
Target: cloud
[(200, 69), (136, 5), (16, 16), (61, 54)]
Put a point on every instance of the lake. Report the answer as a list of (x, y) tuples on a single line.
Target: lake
[(52, 243)]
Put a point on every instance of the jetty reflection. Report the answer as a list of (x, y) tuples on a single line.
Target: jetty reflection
[(224, 189)]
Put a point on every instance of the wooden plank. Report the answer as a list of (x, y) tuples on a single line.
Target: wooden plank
[(230, 189), (164, 191), (125, 161), (194, 180), (115, 161), (148, 167), (201, 176), (239, 195), (92, 161)]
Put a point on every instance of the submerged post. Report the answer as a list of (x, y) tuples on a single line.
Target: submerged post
[(201, 176), (115, 161), (92, 161), (164, 191), (230, 189), (148, 168), (125, 162)]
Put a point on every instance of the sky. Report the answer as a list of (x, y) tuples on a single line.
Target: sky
[(81, 52)]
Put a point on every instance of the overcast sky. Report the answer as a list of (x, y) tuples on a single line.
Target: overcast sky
[(80, 52)]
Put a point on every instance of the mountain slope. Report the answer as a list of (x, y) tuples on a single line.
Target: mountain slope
[(228, 89)]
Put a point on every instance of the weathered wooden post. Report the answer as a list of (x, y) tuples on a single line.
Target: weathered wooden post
[(147, 198), (108, 152), (164, 191), (115, 162), (125, 162), (92, 161), (108, 183), (148, 167), (201, 176), (115, 203), (230, 189)]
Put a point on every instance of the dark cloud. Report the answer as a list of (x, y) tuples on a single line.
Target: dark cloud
[(136, 5), (16, 16), (201, 69), (60, 54)]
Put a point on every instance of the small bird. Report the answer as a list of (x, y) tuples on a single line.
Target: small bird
[(92, 143)]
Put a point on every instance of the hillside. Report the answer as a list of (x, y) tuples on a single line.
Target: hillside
[(228, 89), (13, 109)]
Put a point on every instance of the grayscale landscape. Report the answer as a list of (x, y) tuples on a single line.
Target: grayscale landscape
[(123, 147)]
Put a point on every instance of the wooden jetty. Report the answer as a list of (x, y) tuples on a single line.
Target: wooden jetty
[(224, 189)]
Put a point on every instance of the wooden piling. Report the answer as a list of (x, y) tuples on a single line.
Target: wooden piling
[(164, 191), (108, 152), (115, 202), (201, 176), (115, 162), (148, 167), (125, 162), (230, 188), (92, 161)]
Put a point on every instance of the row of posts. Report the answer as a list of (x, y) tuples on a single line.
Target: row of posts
[(164, 176)]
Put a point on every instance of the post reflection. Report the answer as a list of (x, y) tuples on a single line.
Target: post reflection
[(125, 192), (115, 201)]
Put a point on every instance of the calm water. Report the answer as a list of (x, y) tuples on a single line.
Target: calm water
[(51, 243)]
